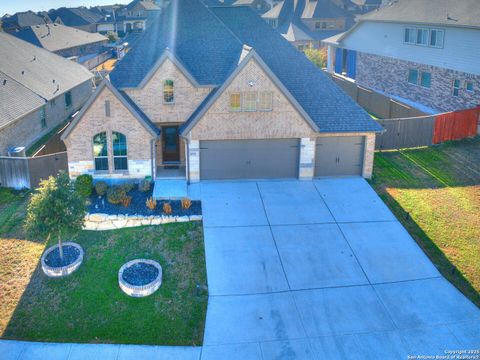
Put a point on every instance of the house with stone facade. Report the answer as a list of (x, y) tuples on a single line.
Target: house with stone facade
[(422, 53), (216, 93), (38, 91)]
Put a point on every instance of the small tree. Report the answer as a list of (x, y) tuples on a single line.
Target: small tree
[(317, 56), (112, 36), (56, 209)]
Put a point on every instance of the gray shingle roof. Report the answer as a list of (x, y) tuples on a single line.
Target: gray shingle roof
[(24, 19), (209, 43), (323, 9), (437, 12), (46, 74), (54, 37), (76, 16), (17, 101)]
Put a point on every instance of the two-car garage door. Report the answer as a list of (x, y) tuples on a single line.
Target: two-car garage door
[(249, 159), (279, 158)]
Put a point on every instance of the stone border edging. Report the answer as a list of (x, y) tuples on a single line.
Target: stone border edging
[(140, 290), (100, 221), (51, 271)]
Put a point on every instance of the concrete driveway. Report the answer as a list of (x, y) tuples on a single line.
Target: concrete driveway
[(322, 270)]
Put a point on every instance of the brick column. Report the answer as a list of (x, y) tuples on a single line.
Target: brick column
[(368, 156), (307, 159), (194, 160)]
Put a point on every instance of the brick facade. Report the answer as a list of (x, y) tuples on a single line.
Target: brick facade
[(150, 97), (80, 141), (27, 130), (390, 76)]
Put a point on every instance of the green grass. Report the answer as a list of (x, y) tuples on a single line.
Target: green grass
[(435, 193), (88, 306)]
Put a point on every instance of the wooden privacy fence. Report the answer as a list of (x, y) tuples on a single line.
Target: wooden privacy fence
[(27, 172), (427, 130)]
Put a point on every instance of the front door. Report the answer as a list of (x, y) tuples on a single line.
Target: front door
[(171, 144)]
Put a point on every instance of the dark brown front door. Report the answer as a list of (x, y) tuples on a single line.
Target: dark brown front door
[(171, 144)]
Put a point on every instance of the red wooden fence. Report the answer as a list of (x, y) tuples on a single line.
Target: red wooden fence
[(456, 125)]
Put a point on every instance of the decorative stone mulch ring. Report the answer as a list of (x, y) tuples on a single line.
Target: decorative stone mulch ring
[(53, 266), (140, 277)]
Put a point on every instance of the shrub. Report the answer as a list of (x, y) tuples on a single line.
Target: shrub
[(56, 209), (317, 56), (167, 208), (116, 194), (144, 185), (84, 185), (151, 203), (101, 188), (128, 186), (126, 201), (186, 203)]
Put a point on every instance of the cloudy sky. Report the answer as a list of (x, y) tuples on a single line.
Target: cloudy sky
[(12, 6)]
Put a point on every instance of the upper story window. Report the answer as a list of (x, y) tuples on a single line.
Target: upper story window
[(119, 142), (250, 101), (413, 76), (273, 23), (68, 99), (43, 118), (168, 92), (469, 86), (424, 37), (235, 102), (456, 87), (100, 151), (265, 101)]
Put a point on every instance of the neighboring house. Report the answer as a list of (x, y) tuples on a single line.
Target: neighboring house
[(121, 24), (38, 91), (260, 6), (424, 54), (369, 5), (80, 18), (23, 20), (216, 93), (63, 40), (305, 23), (140, 8)]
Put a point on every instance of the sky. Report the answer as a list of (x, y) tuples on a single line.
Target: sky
[(13, 6)]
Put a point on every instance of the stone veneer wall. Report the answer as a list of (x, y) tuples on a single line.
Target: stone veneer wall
[(150, 97), (390, 76), (79, 143)]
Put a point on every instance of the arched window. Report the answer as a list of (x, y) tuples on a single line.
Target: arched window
[(168, 94), (119, 141), (100, 151)]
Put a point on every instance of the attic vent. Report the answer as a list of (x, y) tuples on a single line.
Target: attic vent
[(23, 72), (4, 82)]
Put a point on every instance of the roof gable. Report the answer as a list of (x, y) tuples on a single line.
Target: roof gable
[(123, 98)]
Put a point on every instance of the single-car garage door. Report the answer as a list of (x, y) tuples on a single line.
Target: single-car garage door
[(339, 155), (249, 159)]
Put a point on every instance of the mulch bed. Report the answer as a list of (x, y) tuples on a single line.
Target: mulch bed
[(70, 254), (99, 204), (140, 274)]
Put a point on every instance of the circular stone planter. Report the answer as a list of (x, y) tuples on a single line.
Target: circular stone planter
[(59, 271), (140, 277)]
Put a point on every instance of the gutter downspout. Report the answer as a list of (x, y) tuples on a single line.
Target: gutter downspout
[(152, 161), (187, 158)]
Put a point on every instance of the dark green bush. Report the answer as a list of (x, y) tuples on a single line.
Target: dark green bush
[(144, 185), (116, 194), (101, 188), (84, 185), (128, 186)]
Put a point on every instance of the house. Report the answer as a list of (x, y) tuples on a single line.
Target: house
[(80, 18), (305, 23), (369, 5), (121, 24), (38, 91), (216, 93), (418, 53), (140, 8), (63, 40), (23, 20), (260, 6)]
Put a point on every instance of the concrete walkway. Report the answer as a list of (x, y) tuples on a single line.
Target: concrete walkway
[(306, 270)]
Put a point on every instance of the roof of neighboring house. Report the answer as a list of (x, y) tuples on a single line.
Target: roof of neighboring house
[(367, 2), (55, 37), (33, 75), (209, 43), (75, 16), (146, 5), (24, 19), (294, 33), (322, 9), (16, 100), (463, 13)]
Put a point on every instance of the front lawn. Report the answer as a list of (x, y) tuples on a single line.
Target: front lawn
[(435, 193), (88, 306)]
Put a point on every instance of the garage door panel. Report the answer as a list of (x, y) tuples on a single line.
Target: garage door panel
[(249, 159), (339, 156)]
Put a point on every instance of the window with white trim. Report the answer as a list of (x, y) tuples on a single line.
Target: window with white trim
[(413, 76), (469, 86), (424, 37), (265, 100), (119, 142), (425, 79), (456, 87), (100, 151), (250, 101), (436, 38)]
